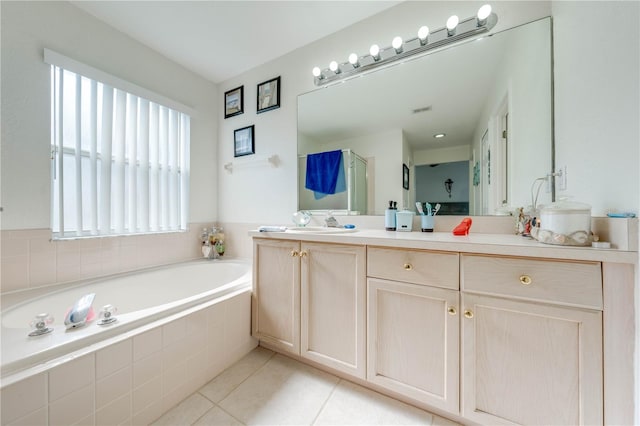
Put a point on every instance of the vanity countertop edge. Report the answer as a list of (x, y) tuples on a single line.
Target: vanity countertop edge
[(496, 244)]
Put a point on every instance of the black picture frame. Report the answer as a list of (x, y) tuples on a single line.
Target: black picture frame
[(268, 95), (244, 142), (405, 177), (234, 102)]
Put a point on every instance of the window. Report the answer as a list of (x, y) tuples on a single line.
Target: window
[(120, 161)]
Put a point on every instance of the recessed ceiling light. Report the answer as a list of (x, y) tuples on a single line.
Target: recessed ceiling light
[(439, 135)]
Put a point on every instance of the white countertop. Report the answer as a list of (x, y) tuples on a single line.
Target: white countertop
[(498, 244)]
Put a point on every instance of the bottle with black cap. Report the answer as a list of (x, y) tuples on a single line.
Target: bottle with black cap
[(390, 216)]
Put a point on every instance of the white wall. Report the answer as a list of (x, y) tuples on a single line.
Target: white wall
[(597, 101), (27, 28), (269, 195)]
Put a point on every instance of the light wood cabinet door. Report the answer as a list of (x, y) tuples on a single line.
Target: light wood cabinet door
[(413, 338), (333, 303), (276, 293), (527, 363)]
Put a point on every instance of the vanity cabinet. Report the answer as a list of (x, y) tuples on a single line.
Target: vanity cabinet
[(413, 324), (531, 341), (333, 306), (309, 299), (275, 305)]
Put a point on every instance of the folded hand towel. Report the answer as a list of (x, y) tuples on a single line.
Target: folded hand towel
[(325, 173), (272, 228)]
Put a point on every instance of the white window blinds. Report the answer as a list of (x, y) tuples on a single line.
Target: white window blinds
[(120, 161)]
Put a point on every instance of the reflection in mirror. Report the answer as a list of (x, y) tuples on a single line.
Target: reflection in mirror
[(491, 98)]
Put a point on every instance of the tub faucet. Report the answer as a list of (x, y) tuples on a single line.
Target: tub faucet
[(79, 313)]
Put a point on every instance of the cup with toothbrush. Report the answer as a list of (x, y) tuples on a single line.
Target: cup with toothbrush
[(427, 214)]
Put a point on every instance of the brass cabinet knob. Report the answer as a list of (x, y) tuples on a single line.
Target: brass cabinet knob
[(468, 313), (525, 279), (303, 253), (452, 310), (408, 267), (294, 253)]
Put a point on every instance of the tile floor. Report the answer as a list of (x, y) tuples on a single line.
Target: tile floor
[(270, 389)]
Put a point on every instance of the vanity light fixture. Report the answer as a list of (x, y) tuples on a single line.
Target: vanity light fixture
[(374, 51), (353, 60), (483, 14), (452, 23), (423, 35), (397, 44), (455, 30)]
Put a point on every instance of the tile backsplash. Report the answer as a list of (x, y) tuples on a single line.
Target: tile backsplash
[(31, 259)]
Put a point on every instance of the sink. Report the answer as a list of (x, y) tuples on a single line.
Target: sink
[(319, 230)]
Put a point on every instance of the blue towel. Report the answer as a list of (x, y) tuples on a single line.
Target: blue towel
[(325, 173)]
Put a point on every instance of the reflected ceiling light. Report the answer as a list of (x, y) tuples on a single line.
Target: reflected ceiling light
[(333, 66), (423, 34), (452, 23), (353, 60), (483, 14), (454, 31), (439, 135), (374, 51), (397, 44)]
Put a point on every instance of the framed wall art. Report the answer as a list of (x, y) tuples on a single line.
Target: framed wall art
[(268, 95), (244, 141), (405, 176), (234, 102)]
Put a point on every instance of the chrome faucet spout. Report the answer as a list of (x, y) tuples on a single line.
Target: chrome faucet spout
[(331, 222), (79, 313)]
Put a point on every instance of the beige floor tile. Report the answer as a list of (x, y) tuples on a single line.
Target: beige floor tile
[(217, 417), (187, 412), (217, 389), (441, 421), (351, 404), (283, 392)]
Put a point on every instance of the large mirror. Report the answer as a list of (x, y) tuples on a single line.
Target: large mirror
[(491, 98)]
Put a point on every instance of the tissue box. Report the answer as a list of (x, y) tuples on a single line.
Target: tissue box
[(404, 220)]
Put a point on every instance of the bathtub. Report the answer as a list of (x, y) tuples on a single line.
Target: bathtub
[(178, 327)]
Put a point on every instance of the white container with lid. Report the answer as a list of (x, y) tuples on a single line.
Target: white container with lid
[(404, 220), (565, 223)]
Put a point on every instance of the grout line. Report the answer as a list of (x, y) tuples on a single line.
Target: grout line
[(324, 404), (230, 415), (238, 385)]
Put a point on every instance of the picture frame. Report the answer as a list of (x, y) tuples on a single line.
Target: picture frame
[(268, 95), (244, 141), (405, 177), (234, 102)]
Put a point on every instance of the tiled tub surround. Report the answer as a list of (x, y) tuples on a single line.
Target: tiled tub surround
[(31, 259), (136, 377), (140, 298)]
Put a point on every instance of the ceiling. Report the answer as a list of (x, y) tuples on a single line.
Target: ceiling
[(221, 39)]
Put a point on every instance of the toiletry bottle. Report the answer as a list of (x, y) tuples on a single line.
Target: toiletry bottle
[(390, 217), (220, 246)]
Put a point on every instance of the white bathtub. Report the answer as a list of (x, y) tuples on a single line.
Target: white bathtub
[(141, 298)]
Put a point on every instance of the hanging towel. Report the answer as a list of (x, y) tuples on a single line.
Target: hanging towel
[(325, 173)]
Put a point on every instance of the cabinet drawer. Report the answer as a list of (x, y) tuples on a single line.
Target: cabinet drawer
[(432, 268), (566, 283)]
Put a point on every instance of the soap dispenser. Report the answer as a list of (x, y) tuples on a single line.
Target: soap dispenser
[(390, 216)]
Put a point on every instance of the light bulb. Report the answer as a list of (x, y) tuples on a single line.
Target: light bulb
[(353, 60), (397, 44), (452, 23), (316, 72), (374, 51), (333, 66), (484, 12), (423, 33)]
